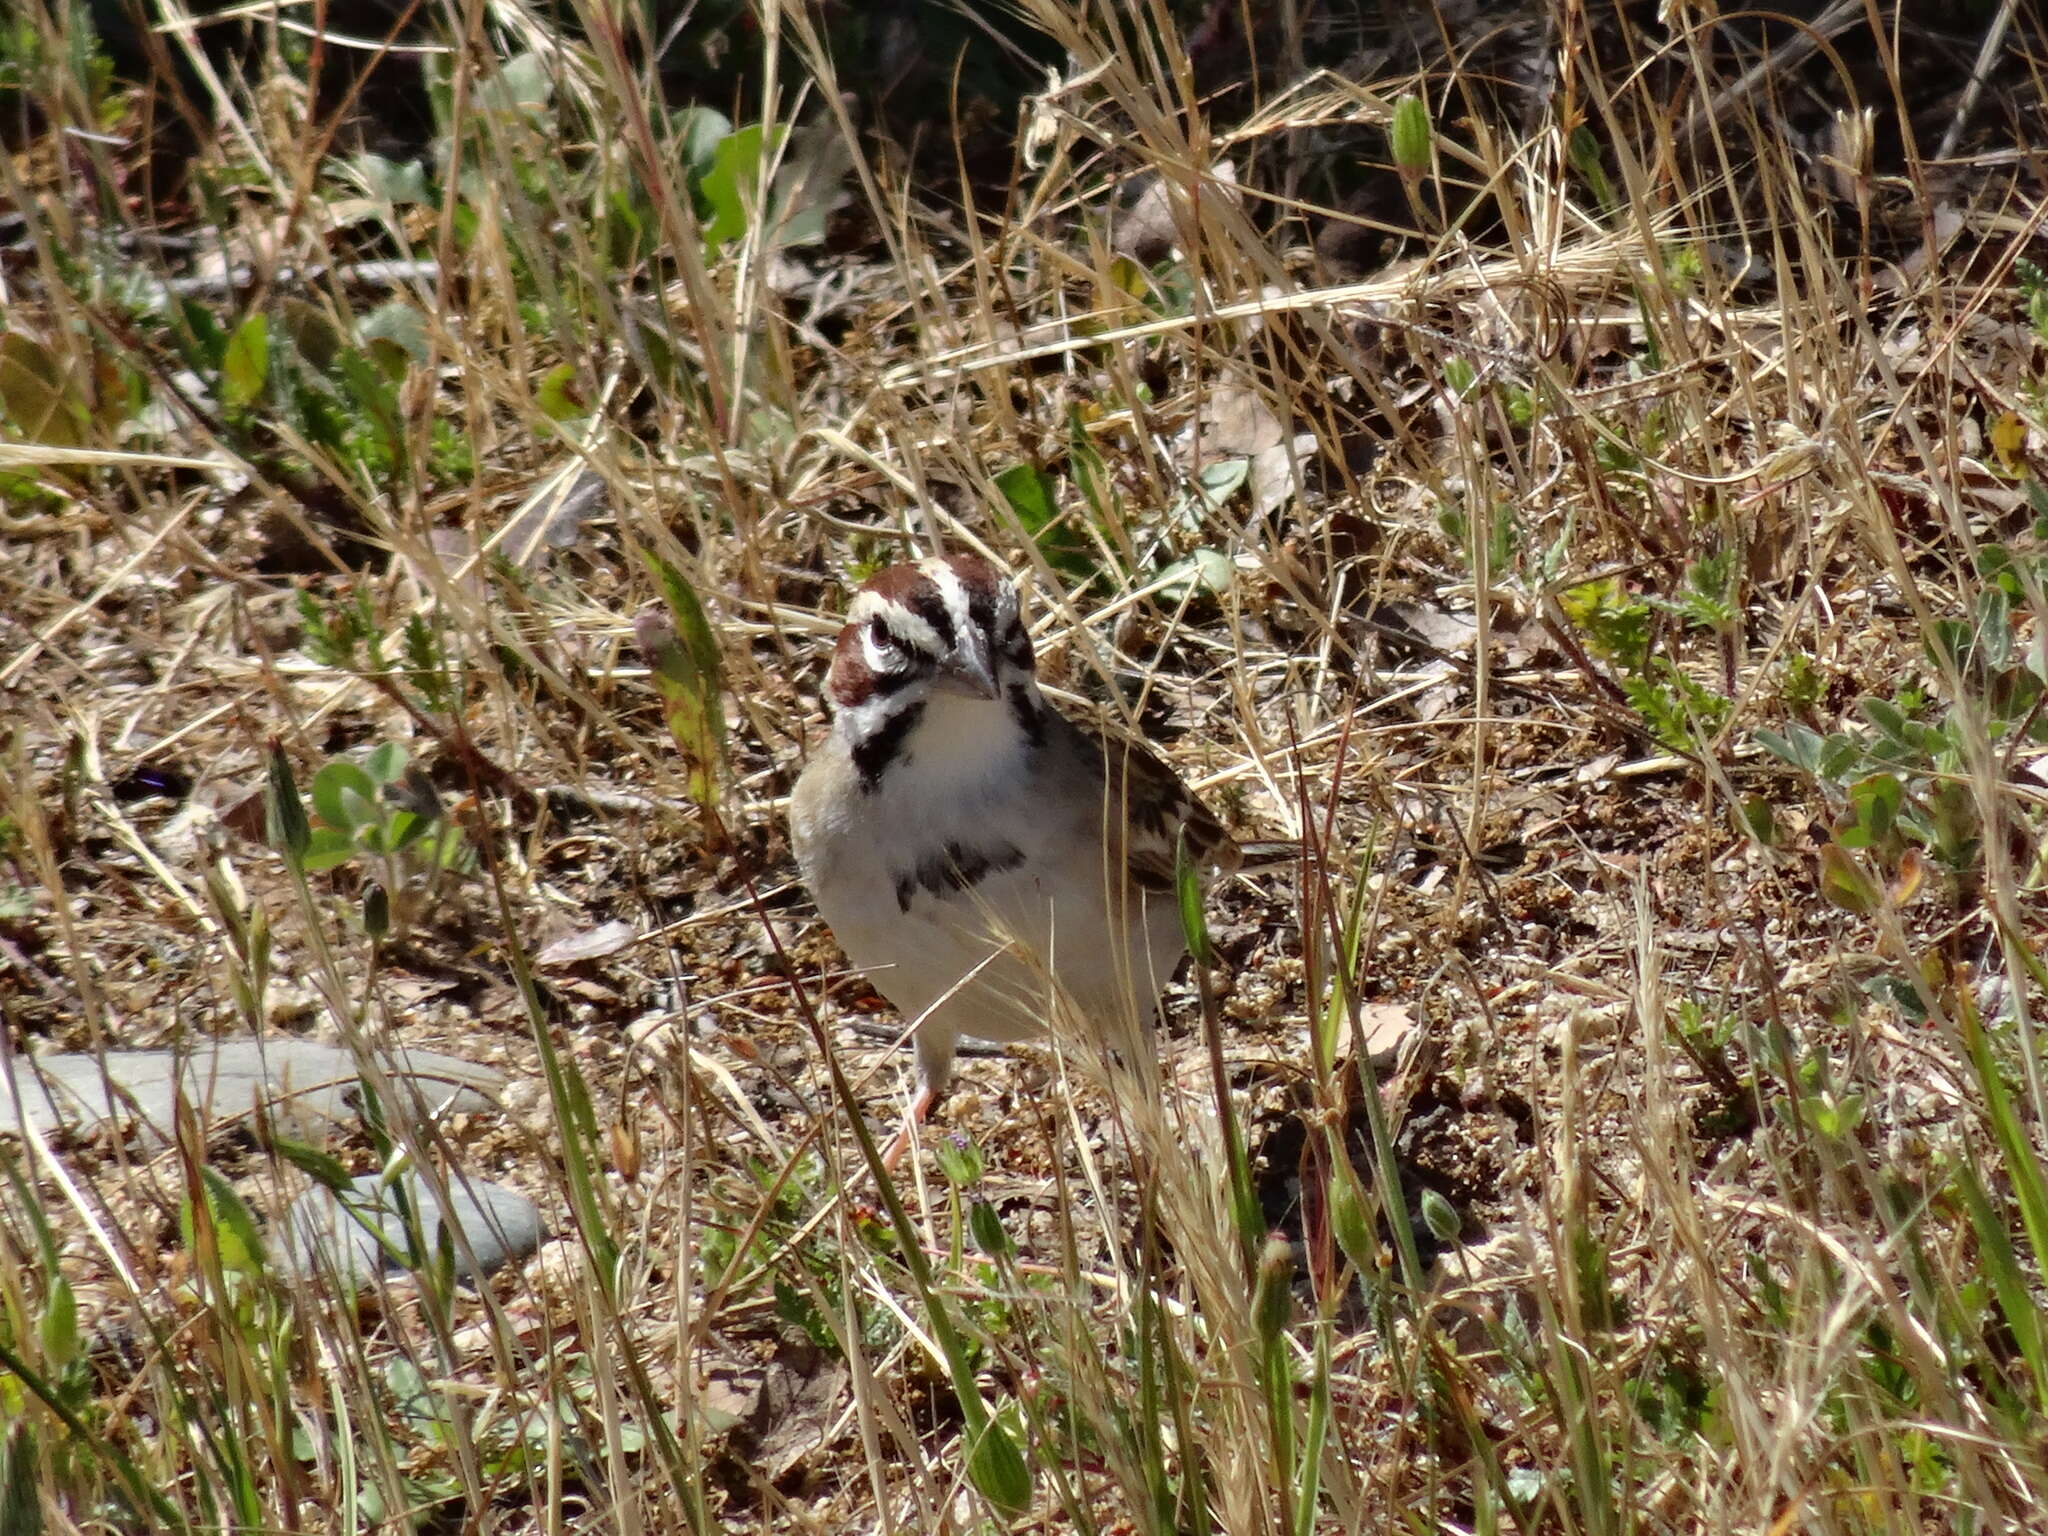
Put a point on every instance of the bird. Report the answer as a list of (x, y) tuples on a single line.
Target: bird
[(964, 841)]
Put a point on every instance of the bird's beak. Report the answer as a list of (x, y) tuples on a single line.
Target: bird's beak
[(971, 668)]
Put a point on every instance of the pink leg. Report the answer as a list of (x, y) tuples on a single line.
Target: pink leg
[(921, 1106)]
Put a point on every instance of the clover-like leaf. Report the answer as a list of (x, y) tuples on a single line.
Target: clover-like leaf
[(246, 364), (1845, 882), (345, 797)]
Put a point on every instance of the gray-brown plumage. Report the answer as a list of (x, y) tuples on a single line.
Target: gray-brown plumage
[(966, 842)]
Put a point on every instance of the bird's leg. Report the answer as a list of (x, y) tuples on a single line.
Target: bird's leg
[(935, 1043), (921, 1106)]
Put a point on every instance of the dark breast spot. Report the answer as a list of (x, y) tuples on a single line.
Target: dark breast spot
[(954, 868)]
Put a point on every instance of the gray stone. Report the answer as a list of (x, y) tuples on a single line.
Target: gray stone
[(310, 1089), (346, 1235)]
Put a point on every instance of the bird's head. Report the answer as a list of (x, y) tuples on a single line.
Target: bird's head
[(947, 625)]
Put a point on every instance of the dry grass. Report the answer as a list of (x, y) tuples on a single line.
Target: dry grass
[(1722, 1205)]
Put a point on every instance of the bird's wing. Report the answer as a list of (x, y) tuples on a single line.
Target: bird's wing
[(1147, 810)]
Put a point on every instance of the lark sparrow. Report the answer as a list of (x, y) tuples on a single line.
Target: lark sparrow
[(965, 841)]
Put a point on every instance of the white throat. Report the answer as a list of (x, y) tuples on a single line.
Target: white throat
[(960, 745), (960, 740)]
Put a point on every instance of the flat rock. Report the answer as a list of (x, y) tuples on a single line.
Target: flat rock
[(360, 1234), (310, 1088)]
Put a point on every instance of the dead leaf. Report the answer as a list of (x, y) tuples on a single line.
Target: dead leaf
[(777, 1414), (591, 944)]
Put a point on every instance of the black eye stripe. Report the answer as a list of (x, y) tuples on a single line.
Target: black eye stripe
[(981, 608), (928, 605)]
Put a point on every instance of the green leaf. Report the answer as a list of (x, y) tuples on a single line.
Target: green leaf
[(1031, 493), (404, 829), (327, 849), (985, 1226), (21, 1483), (807, 183), (1840, 756), (245, 364), (1799, 746), (388, 357), (202, 341), (1215, 483), (385, 762), (1504, 539), (1889, 719), (960, 1161), (2018, 1138), (310, 332), (1617, 624), (1994, 627), (1707, 600), (1187, 889), (688, 670), (1205, 573), (688, 703), (731, 187), (36, 394), (1091, 475), (392, 181), (696, 133), (403, 326), (1950, 643), (233, 1228), (1844, 882), (57, 1328), (1033, 498), (373, 435), (1760, 821), (1875, 802), (625, 235), (1999, 1259), (345, 797), (558, 396), (1835, 1117), (284, 814), (997, 1470), (691, 622), (1127, 277), (1583, 151), (323, 1167), (522, 88)]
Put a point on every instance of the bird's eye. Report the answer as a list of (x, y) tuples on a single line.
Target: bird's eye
[(882, 635)]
